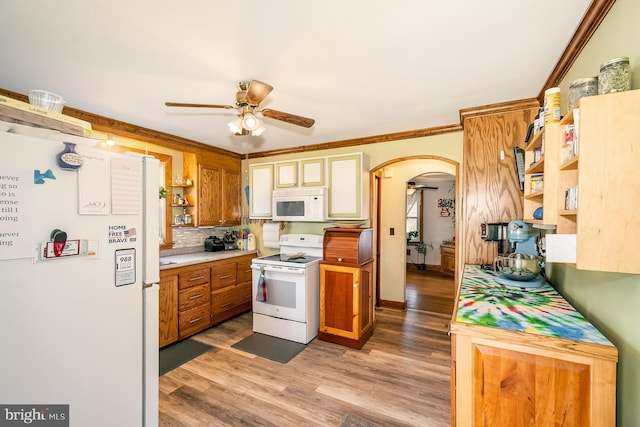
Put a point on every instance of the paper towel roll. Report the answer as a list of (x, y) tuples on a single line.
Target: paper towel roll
[(271, 234)]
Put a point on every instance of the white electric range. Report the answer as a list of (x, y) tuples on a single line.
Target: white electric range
[(292, 277)]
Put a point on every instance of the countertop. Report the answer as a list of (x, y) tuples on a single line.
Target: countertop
[(182, 260), (542, 311)]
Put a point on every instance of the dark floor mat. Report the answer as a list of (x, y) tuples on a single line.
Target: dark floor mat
[(175, 355), (272, 348)]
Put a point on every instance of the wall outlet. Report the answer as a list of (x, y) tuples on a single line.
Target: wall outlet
[(202, 239)]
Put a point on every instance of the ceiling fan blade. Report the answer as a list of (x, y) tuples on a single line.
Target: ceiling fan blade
[(257, 91), (182, 104), (289, 118)]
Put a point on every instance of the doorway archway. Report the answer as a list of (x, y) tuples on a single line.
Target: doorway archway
[(389, 185)]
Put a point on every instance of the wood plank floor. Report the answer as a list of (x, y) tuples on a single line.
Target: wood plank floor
[(430, 291), (399, 378)]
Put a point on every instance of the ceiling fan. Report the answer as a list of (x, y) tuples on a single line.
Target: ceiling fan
[(414, 186), (249, 96)]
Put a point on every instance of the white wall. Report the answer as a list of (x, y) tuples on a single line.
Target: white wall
[(437, 228), (392, 206), (392, 264)]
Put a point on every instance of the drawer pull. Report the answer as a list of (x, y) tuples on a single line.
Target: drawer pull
[(339, 259), (196, 296), (226, 276), (226, 305), (247, 270), (197, 319), (196, 278)]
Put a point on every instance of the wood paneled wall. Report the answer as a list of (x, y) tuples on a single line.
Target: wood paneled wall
[(491, 189)]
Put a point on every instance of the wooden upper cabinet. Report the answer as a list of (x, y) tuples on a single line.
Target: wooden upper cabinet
[(491, 190), (209, 196), (231, 194), (604, 219), (217, 189)]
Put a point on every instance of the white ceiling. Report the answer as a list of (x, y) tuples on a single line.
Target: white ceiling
[(359, 67)]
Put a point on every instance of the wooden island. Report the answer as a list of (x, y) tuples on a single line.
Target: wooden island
[(523, 356)]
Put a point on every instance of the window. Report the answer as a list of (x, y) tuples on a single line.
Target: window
[(413, 216)]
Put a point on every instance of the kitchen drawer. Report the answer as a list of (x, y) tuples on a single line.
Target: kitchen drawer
[(193, 297), (194, 320), (223, 275), (244, 269), (230, 297), (197, 276), (230, 302)]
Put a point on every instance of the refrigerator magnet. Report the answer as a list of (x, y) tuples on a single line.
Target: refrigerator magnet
[(125, 264)]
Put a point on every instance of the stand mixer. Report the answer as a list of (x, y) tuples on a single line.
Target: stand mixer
[(522, 267)]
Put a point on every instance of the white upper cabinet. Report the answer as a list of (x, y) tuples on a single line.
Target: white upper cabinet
[(345, 176), (348, 182), (286, 174), (312, 172), (261, 185)]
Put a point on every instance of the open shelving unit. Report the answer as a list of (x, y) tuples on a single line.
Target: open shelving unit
[(545, 197)]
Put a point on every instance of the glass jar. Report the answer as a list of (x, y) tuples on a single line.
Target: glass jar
[(581, 88), (614, 76)]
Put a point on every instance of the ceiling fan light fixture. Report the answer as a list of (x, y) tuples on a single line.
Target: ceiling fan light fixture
[(250, 122), (258, 131), (235, 125)]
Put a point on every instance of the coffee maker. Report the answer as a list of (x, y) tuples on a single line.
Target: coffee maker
[(496, 232)]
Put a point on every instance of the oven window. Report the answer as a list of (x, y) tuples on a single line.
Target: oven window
[(290, 208), (281, 293)]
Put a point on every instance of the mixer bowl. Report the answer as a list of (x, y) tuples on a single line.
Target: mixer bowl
[(518, 266)]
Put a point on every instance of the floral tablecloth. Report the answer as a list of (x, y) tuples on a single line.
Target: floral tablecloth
[(540, 311)]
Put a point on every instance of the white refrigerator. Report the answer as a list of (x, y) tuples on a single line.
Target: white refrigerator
[(79, 248)]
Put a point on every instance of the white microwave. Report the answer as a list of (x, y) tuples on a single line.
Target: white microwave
[(300, 204)]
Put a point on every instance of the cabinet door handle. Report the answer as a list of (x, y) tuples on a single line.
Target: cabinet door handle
[(247, 270), (197, 319), (226, 305), (196, 296), (196, 278), (226, 276), (339, 259)]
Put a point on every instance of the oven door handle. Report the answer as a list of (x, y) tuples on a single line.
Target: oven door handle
[(278, 269)]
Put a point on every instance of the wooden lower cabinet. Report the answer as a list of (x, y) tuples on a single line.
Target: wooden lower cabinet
[(346, 303), (448, 259), (168, 309), (526, 357), (194, 303), (230, 288), (196, 297), (501, 383)]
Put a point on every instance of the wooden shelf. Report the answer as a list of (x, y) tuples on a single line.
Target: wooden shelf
[(568, 212), (181, 206), (537, 167), (570, 165), (536, 195), (533, 221), (536, 142)]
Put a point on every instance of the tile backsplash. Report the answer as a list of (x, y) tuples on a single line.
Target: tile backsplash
[(192, 238)]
